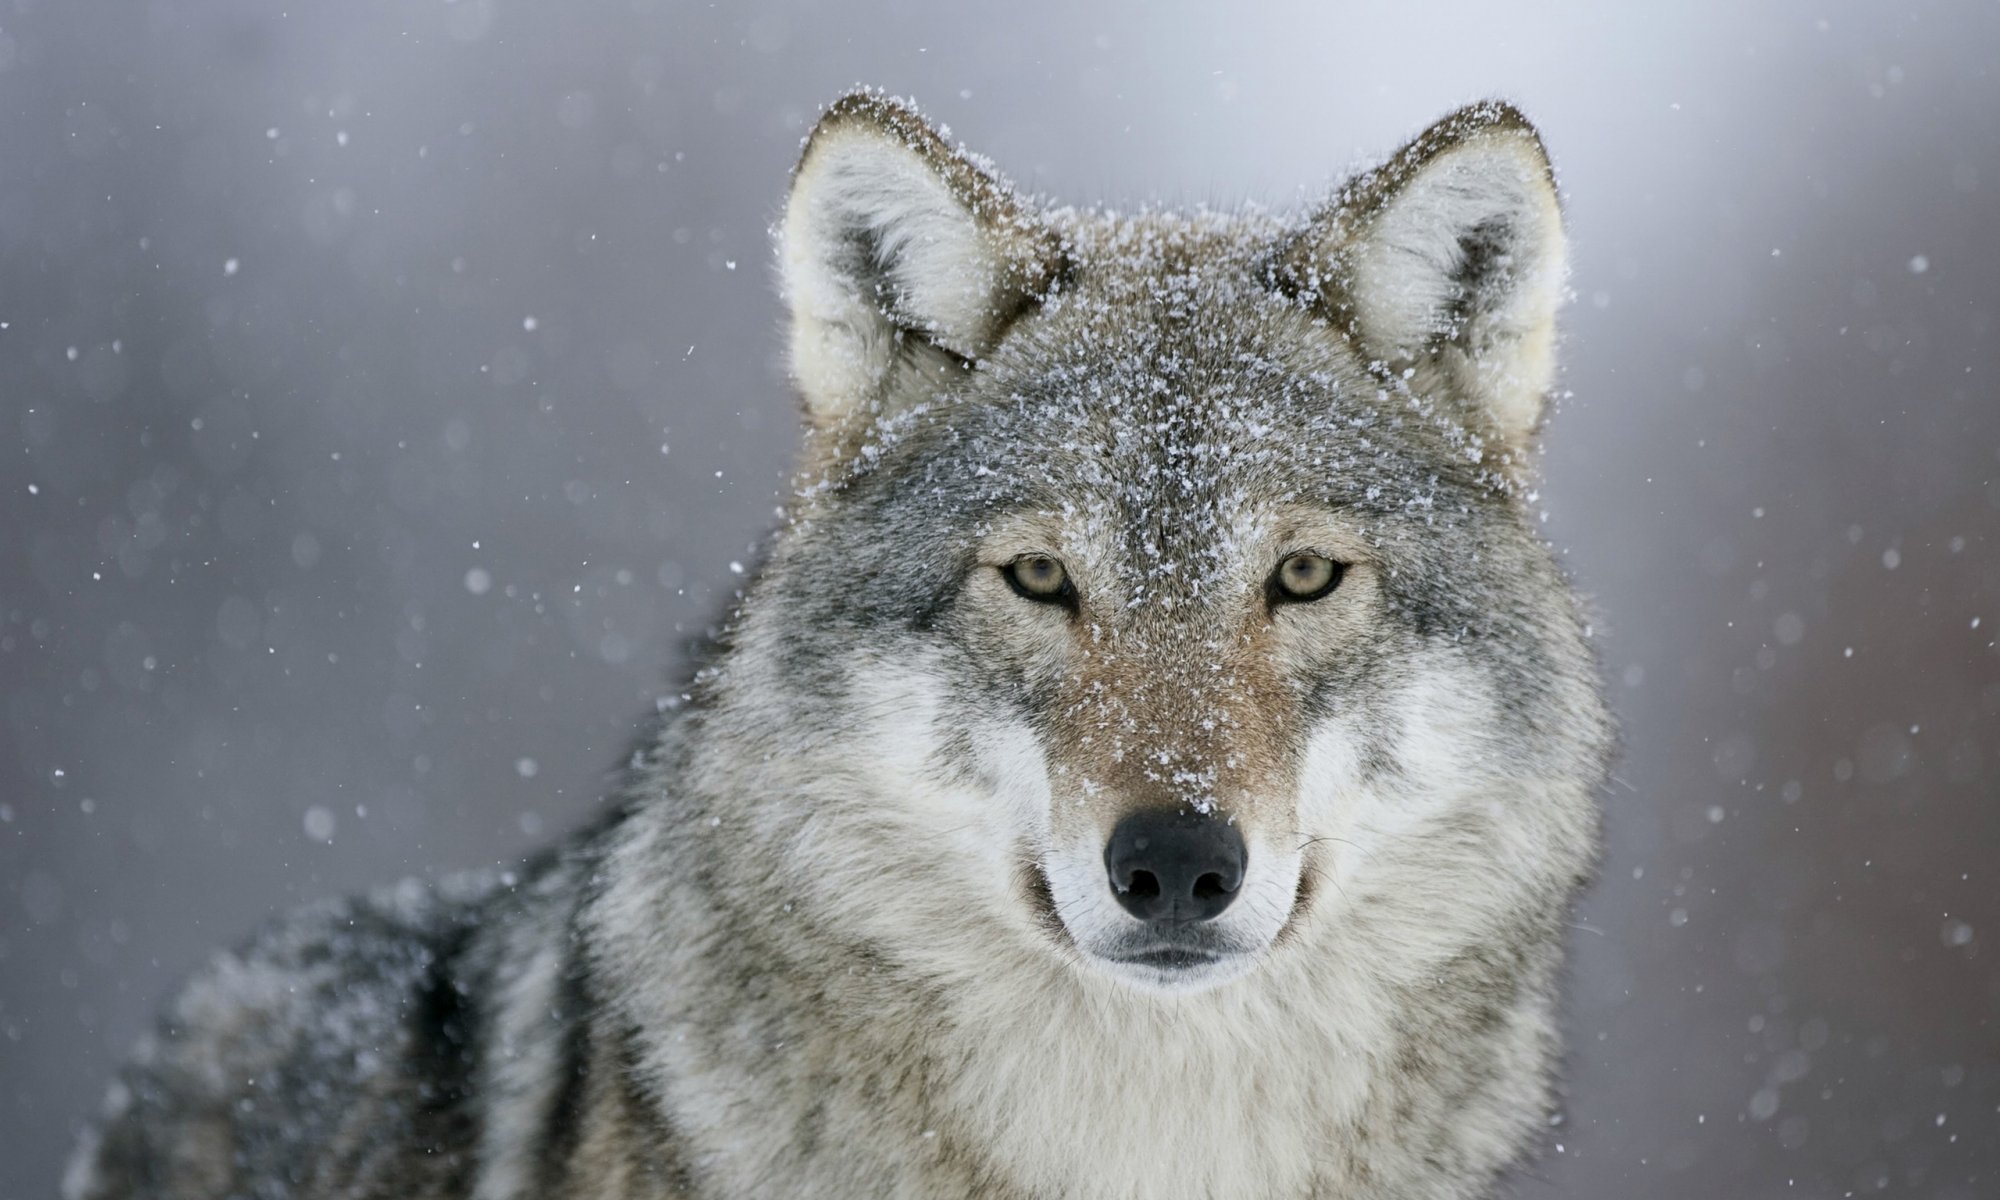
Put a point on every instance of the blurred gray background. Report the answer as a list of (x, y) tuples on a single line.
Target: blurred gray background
[(386, 391)]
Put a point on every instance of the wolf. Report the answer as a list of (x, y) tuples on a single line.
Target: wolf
[(1157, 757)]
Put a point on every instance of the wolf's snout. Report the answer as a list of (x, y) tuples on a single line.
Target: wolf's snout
[(1170, 865)]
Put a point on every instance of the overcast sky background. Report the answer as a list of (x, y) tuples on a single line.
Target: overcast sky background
[(386, 390)]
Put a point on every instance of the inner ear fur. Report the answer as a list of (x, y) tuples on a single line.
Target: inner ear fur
[(902, 259), (1448, 262)]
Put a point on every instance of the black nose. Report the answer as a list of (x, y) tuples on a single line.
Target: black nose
[(1175, 865)]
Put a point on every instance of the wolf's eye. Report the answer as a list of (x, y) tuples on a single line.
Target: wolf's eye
[(1302, 577), (1039, 577)]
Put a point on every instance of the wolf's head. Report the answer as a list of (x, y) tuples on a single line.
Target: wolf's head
[(1161, 597)]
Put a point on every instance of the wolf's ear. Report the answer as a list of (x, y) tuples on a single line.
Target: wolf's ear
[(1449, 261), (901, 259)]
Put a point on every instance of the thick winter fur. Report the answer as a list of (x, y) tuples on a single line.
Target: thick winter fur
[(848, 931)]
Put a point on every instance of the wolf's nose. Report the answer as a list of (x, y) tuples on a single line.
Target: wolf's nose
[(1172, 865)]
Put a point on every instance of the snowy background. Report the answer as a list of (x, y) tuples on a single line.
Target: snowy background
[(387, 388)]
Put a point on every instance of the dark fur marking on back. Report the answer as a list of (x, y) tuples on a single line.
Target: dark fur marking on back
[(444, 1025)]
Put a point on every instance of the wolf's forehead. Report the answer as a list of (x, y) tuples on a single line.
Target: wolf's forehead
[(1171, 388)]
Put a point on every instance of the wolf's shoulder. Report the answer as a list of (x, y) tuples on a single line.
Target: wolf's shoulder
[(319, 1033), (342, 972)]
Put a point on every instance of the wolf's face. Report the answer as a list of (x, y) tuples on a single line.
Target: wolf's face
[(1160, 589)]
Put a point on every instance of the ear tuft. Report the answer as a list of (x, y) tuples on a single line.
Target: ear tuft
[(901, 258), (1448, 261)]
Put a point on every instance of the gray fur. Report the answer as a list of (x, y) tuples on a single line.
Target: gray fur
[(838, 935)]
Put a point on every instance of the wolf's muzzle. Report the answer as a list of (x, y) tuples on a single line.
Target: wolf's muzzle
[(1174, 866)]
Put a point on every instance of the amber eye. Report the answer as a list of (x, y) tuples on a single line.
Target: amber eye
[(1039, 577), (1302, 577)]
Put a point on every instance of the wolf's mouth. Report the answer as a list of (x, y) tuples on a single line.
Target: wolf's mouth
[(1042, 902), (1170, 958)]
